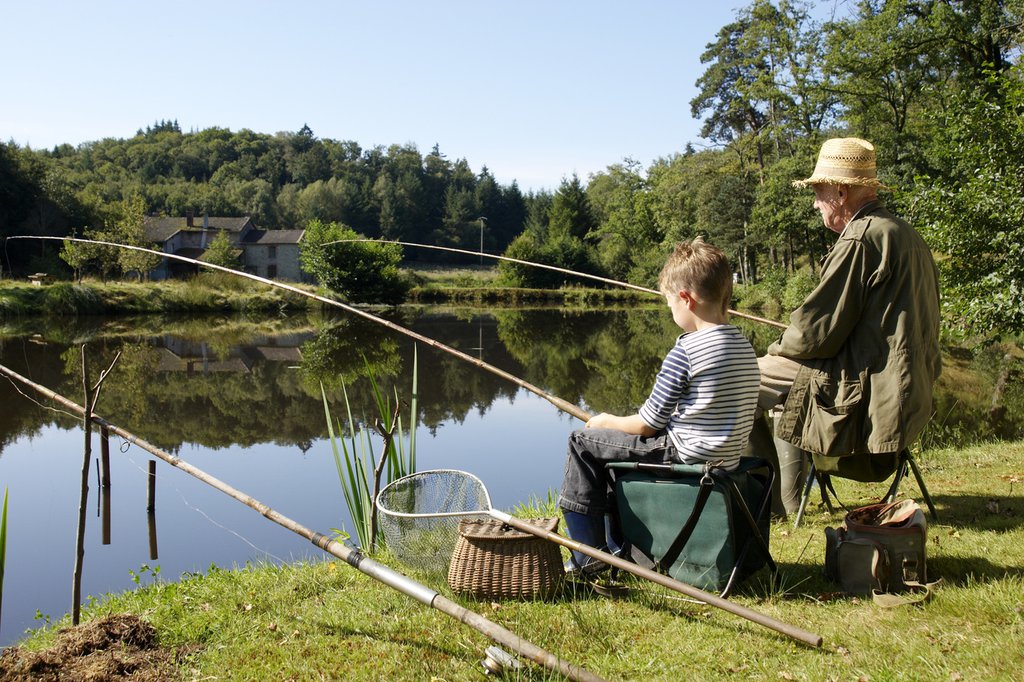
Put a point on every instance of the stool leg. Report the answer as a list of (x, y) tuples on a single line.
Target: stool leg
[(901, 471), (922, 486)]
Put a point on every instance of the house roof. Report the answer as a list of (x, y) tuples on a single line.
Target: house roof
[(162, 228), (274, 236)]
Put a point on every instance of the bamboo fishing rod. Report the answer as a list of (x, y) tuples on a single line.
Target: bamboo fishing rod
[(560, 403), (352, 557), (545, 266)]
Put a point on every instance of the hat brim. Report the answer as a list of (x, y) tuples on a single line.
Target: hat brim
[(837, 180)]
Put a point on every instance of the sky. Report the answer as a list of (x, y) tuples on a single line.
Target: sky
[(534, 90)]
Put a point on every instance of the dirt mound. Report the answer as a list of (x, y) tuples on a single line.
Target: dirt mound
[(117, 647)]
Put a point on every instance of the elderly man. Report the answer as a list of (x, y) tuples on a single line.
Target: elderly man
[(855, 368)]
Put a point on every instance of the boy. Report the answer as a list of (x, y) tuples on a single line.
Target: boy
[(701, 408)]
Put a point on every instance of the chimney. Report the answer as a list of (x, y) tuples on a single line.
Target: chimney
[(189, 217)]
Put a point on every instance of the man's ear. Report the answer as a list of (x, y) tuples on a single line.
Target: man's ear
[(688, 299)]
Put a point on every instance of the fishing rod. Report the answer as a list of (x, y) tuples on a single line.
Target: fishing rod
[(534, 264), (560, 403), (352, 556)]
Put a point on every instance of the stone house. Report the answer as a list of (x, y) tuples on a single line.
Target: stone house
[(273, 254)]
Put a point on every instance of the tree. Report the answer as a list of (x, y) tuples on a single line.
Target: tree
[(972, 210), (628, 233), (570, 212), (359, 272), (125, 226), (79, 256), (220, 251), (764, 85)]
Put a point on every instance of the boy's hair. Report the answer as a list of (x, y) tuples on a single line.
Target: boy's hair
[(700, 268)]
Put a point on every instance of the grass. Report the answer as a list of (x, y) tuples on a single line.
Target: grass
[(207, 292), (326, 621)]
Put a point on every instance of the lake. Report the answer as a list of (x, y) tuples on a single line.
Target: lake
[(240, 398)]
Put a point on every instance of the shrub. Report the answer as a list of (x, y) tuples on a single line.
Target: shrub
[(798, 286), (72, 299)]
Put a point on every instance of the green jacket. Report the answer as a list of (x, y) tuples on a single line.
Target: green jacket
[(868, 340)]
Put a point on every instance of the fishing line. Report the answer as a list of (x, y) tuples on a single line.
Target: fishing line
[(545, 266), (189, 505), (33, 400)]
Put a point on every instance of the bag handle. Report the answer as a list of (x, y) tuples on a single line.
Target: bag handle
[(917, 593)]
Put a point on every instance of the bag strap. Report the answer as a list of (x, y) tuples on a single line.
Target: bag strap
[(917, 593), (707, 484)]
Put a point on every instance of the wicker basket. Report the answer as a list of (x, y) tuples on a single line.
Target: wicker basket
[(495, 561)]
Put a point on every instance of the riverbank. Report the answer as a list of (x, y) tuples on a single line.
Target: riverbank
[(220, 293), (206, 293), (327, 621)]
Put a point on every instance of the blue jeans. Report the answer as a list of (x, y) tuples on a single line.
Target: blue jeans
[(585, 485)]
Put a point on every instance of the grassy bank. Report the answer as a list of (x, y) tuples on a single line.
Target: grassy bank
[(327, 621), (208, 292), (219, 293)]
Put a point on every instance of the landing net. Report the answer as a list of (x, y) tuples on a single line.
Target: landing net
[(419, 514)]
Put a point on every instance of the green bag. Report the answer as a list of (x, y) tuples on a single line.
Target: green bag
[(654, 508)]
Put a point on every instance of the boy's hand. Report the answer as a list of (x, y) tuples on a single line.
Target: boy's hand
[(633, 424)]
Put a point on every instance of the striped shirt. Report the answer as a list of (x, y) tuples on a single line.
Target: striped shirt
[(705, 395)]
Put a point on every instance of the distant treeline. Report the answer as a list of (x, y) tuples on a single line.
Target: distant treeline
[(935, 84)]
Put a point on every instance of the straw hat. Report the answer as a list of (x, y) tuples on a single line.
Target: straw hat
[(844, 161)]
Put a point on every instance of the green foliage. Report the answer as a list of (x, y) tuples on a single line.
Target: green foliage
[(570, 213), (630, 243), (356, 473), (558, 250), (359, 272), (973, 211), (221, 251), (772, 289), (935, 85), (64, 298), (125, 226), (797, 287)]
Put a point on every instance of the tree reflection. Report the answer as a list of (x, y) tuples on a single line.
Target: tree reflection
[(236, 381)]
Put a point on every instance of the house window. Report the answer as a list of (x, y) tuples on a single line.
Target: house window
[(271, 252), (271, 270)]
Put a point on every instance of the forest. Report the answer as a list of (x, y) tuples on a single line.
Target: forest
[(936, 85)]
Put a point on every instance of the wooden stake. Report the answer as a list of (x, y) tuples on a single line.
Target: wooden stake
[(352, 557), (104, 457), (76, 580), (91, 396), (151, 488), (151, 525)]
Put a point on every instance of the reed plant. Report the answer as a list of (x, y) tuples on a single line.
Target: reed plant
[(358, 467)]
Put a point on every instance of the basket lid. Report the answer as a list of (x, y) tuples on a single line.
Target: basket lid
[(483, 529)]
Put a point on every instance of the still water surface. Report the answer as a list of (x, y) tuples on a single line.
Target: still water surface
[(240, 399)]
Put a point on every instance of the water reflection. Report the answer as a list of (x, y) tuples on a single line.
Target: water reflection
[(240, 398)]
